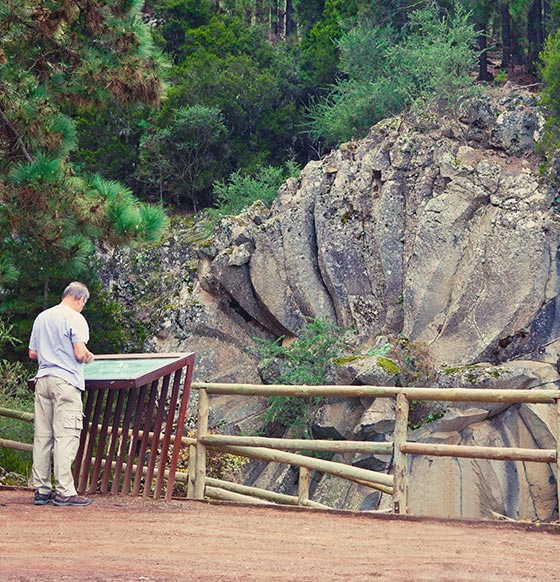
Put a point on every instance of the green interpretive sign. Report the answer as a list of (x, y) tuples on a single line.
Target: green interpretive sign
[(132, 370), (123, 369)]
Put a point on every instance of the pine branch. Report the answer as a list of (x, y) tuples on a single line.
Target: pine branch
[(15, 133)]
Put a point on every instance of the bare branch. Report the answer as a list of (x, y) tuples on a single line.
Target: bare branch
[(19, 139)]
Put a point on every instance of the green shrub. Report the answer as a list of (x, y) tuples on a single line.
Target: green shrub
[(384, 73), (303, 361), (241, 190), (14, 395), (550, 94)]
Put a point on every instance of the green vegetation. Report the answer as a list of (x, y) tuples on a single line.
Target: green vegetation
[(550, 71), (242, 190), (304, 360), (388, 365), (474, 374), (59, 59), (182, 158), (422, 413), (384, 72), (14, 395), (413, 360)]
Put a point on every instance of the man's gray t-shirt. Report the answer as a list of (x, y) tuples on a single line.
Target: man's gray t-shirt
[(55, 330)]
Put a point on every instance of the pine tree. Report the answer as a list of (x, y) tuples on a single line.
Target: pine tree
[(57, 58)]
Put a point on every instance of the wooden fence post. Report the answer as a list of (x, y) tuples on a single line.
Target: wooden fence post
[(191, 473), (202, 424), (303, 485), (400, 484)]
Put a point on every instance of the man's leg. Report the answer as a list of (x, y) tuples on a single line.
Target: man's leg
[(67, 425), (43, 436)]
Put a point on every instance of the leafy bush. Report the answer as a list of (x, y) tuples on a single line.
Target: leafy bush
[(14, 395), (180, 159), (241, 190), (550, 95), (384, 73), (302, 361)]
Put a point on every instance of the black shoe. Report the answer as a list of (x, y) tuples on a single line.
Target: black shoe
[(43, 498), (72, 500)]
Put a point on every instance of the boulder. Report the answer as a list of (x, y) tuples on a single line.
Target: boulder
[(377, 421), (334, 420), (470, 488)]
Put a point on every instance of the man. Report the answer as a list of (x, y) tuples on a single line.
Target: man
[(58, 341)]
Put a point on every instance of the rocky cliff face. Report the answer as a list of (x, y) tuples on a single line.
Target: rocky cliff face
[(444, 233), (440, 229)]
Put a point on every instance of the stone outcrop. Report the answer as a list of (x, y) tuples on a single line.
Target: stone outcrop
[(446, 235), (441, 229)]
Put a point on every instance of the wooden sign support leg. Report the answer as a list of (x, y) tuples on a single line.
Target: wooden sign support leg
[(558, 455)]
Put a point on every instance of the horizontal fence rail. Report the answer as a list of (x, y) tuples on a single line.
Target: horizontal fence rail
[(416, 393)]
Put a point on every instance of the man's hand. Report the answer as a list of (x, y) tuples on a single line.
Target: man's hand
[(82, 354)]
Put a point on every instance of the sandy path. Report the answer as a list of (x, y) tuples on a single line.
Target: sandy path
[(131, 539)]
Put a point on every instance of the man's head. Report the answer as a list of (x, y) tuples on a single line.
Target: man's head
[(75, 295)]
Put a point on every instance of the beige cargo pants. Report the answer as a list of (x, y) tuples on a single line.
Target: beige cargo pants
[(58, 424)]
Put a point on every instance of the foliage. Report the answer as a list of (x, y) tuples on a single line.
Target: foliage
[(550, 94), (176, 18), (181, 159), (413, 359), (59, 58), (304, 360), (109, 142), (14, 395), (231, 68), (422, 413), (14, 461), (241, 190), (384, 72), (12, 374)]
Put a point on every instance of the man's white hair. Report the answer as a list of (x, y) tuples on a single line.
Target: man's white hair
[(76, 290)]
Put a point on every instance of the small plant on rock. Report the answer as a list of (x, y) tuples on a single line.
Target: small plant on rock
[(303, 361)]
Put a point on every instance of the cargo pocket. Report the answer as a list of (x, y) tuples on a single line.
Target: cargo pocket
[(74, 421)]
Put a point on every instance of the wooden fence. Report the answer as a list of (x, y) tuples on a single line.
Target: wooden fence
[(395, 484), (200, 485)]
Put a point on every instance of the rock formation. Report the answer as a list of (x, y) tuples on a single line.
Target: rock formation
[(441, 229)]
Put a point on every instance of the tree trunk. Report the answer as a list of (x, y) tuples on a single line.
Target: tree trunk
[(483, 74), (290, 25), (261, 14), (547, 17), (279, 24), (506, 37), (535, 35)]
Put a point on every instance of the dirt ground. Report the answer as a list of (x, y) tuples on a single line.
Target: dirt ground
[(131, 539)]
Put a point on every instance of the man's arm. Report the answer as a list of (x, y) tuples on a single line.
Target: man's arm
[(33, 354), (82, 354)]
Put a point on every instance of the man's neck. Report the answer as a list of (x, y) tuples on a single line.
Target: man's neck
[(72, 303)]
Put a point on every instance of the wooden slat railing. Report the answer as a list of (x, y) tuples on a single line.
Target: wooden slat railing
[(274, 450)]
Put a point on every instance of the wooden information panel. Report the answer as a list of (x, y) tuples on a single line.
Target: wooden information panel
[(135, 412)]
